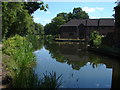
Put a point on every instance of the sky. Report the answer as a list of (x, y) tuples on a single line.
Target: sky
[(94, 10)]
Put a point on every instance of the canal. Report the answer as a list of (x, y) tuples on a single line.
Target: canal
[(79, 67)]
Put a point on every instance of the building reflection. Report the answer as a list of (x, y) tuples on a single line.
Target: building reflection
[(76, 55)]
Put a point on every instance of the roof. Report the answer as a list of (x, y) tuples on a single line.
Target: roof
[(75, 22), (91, 22), (106, 22)]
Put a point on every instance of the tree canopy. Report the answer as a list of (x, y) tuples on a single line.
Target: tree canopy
[(33, 6), (53, 27), (17, 19), (39, 29)]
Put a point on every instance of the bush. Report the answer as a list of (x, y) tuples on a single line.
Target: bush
[(20, 51), (95, 39)]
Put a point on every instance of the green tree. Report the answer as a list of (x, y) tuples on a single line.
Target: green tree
[(78, 13), (33, 6), (95, 39), (63, 15), (16, 18), (39, 29), (53, 27)]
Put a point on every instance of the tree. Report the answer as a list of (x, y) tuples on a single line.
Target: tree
[(77, 10), (53, 27), (39, 29), (117, 14), (117, 24), (33, 6), (63, 15), (78, 13), (17, 19)]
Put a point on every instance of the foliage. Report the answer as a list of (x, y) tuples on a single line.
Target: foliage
[(25, 79), (53, 27), (33, 6), (51, 81), (20, 51), (48, 38), (95, 61), (117, 15), (63, 15), (39, 29), (78, 13), (28, 79), (17, 19), (95, 39)]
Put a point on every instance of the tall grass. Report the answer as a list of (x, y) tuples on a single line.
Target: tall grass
[(51, 80), (28, 79)]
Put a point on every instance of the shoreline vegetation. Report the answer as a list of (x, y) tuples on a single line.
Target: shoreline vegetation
[(18, 62)]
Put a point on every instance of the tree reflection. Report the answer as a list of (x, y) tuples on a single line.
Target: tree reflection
[(76, 55), (37, 41)]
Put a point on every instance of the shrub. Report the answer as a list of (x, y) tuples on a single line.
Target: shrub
[(20, 51), (95, 39)]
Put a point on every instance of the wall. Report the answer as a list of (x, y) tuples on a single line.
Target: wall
[(68, 32)]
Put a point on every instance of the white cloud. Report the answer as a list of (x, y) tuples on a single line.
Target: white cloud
[(47, 12), (90, 10)]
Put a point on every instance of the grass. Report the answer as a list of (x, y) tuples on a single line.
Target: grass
[(51, 81)]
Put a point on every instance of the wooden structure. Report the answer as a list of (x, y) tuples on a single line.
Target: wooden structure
[(81, 28)]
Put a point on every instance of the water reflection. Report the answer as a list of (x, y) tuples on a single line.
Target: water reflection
[(80, 68)]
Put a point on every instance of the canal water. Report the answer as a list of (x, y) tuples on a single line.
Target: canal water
[(79, 67)]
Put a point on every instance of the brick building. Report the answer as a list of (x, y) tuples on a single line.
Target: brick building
[(81, 28)]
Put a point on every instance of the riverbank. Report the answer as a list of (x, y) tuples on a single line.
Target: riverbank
[(101, 51)]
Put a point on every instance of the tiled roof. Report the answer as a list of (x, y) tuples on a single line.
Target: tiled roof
[(75, 22), (106, 22), (91, 22)]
